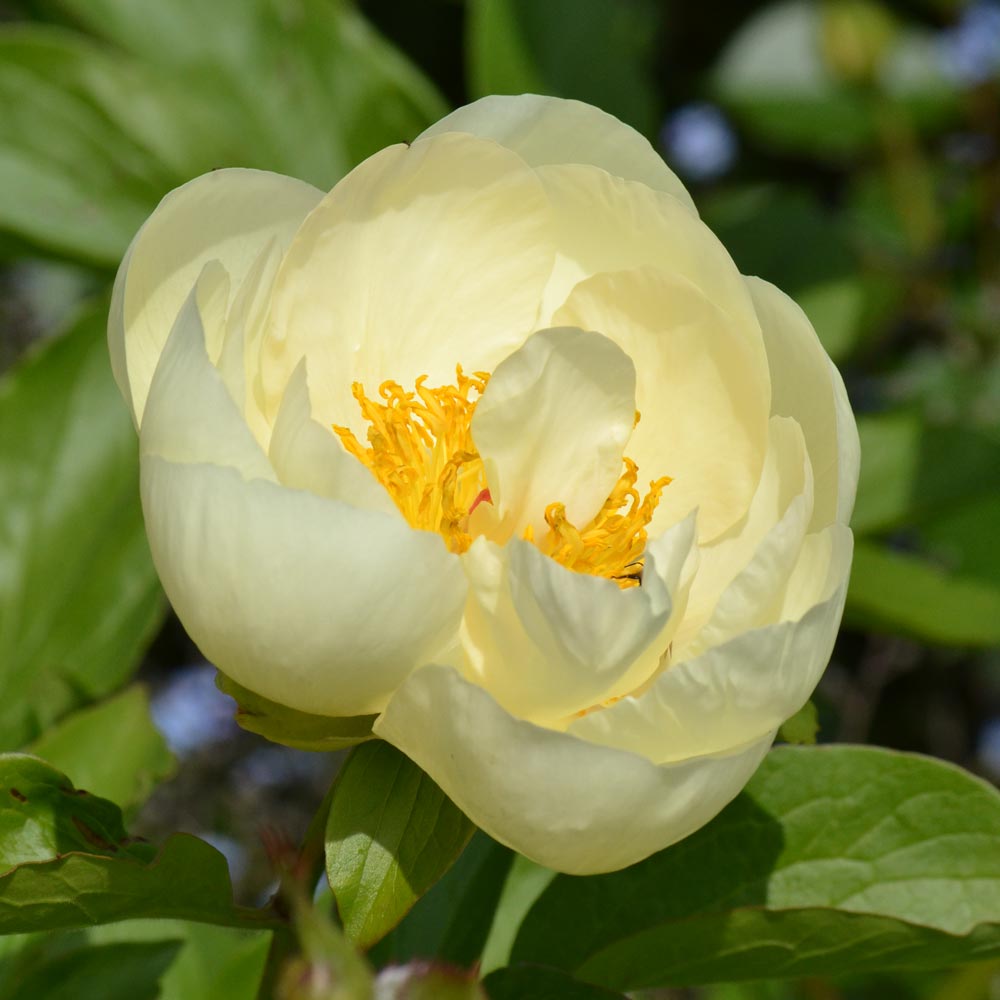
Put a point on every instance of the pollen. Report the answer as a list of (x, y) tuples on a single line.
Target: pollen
[(613, 543), (420, 448)]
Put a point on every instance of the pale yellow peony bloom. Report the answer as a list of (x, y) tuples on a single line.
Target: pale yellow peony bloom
[(495, 441)]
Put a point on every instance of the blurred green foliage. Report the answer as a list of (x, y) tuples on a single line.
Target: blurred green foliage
[(847, 150)]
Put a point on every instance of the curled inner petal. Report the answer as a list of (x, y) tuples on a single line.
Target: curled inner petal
[(420, 449)]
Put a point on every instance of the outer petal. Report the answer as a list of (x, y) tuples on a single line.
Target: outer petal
[(548, 642), (742, 689), (806, 385), (561, 801), (552, 426), (554, 130), (604, 223), (702, 391), (227, 215), (189, 414), (308, 456), (310, 602), (422, 258)]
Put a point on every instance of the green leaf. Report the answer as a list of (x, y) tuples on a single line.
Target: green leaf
[(94, 135), (67, 861), (214, 963), (289, 726), (911, 472), (590, 50), (802, 727), (452, 921), (902, 593), (534, 982), (79, 598), (759, 223), (128, 971), (113, 750), (834, 858), (390, 835)]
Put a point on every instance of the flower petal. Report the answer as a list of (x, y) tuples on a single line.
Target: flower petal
[(786, 475), (189, 415), (309, 602), (548, 642), (738, 691), (554, 130), (702, 391), (603, 223), (227, 215), (807, 386), (307, 456), (552, 425), (563, 802), (422, 258)]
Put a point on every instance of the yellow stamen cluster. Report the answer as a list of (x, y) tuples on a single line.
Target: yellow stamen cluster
[(613, 543), (420, 449)]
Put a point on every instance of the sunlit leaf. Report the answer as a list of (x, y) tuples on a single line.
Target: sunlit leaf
[(67, 861), (112, 749), (79, 598), (834, 858), (391, 834), (451, 922)]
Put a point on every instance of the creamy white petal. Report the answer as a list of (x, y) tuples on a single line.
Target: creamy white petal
[(422, 258), (552, 425), (564, 802), (555, 130), (702, 391), (757, 592), (547, 641), (307, 456), (604, 223), (741, 690), (227, 215), (310, 602), (785, 476), (189, 414), (806, 385), (239, 359)]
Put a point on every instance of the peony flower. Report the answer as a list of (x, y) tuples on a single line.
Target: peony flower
[(495, 443)]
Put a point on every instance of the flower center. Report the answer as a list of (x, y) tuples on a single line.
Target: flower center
[(420, 449)]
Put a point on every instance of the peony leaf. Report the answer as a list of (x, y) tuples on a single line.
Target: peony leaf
[(94, 135), (834, 858), (452, 922), (79, 598), (603, 57), (120, 971), (67, 861), (390, 835), (293, 728), (112, 749), (903, 593), (912, 472)]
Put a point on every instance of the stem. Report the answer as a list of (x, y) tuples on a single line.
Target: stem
[(300, 878)]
